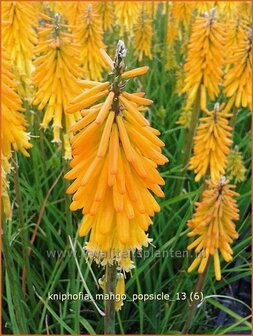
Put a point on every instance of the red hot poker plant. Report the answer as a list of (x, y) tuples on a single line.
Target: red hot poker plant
[(115, 157)]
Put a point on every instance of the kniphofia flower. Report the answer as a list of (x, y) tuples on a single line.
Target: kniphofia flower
[(56, 76), (235, 167), (238, 79), (115, 157), (213, 226), (143, 36), (106, 11), (211, 144), (172, 30), (14, 135), (203, 68), (90, 37), (182, 12), (19, 38), (172, 34), (127, 15), (236, 30), (72, 10)]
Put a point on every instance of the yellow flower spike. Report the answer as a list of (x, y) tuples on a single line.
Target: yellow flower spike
[(19, 38), (14, 135), (211, 144), (235, 167), (115, 155), (236, 30), (56, 77), (119, 291), (182, 12), (13, 126), (212, 225), (90, 37), (72, 10), (238, 78), (127, 15), (106, 12), (143, 36), (205, 58), (172, 36)]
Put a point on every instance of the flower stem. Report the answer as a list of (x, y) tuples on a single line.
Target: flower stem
[(233, 119), (189, 143), (193, 304), (110, 284)]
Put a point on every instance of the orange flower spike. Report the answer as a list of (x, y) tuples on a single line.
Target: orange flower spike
[(14, 124), (203, 67), (213, 224), (106, 11), (19, 38), (13, 127), (89, 33), (182, 12), (211, 144), (115, 155), (127, 13), (56, 77), (238, 79), (143, 33)]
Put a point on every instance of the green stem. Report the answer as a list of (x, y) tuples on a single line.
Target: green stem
[(189, 143), (233, 119), (193, 304), (111, 270), (42, 146), (110, 284)]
